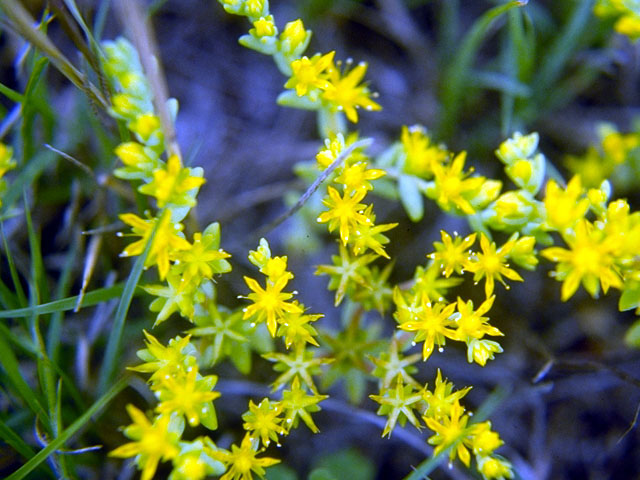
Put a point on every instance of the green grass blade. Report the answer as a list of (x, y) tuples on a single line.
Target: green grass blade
[(11, 94), (15, 441), (62, 289), (30, 107), (574, 32), (7, 297), (38, 283), (448, 28), (59, 441), (100, 18), (56, 423), (455, 77), (17, 285), (38, 289), (92, 298), (110, 359), (27, 347), (10, 364)]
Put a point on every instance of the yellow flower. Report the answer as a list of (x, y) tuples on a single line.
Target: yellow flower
[(263, 421), (450, 431), (589, 260), (173, 184), (565, 207), (310, 73), (269, 304), (440, 401), (470, 323), (344, 211), (167, 240), (254, 8), (145, 126), (297, 404), (294, 38), (494, 468), (202, 260), (153, 442), (264, 27), (356, 176), (275, 268), (188, 395), (345, 93), (6, 159), (629, 25), (334, 147), (453, 255), (297, 329), (197, 460), (420, 153), (617, 146), (163, 361), (398, 403), (491, 264), (452, 189), (369, 236), (432, 324), (484, 440), (243, 461), (480, 351)]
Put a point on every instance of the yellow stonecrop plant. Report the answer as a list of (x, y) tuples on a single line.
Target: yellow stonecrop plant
[(600, 235)]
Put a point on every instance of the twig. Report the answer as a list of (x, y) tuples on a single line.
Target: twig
[(144, 40), (314, 186), (632, 426), (73, 160)]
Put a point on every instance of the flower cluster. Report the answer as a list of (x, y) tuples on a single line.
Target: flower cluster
[(423, 309), (361, 240), (314, 83), (285, 318), (615, 157), (440, 411), (602, 252), (422, 167), (626, 14), (188, 270)]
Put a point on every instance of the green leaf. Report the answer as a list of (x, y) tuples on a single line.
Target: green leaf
[(59, 441), (280, 472), (410, 197), (115, 338), (632, 337), (241, 356), (500, 82), (92, 298), (630, 297), (321, 474), (349, 464)]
